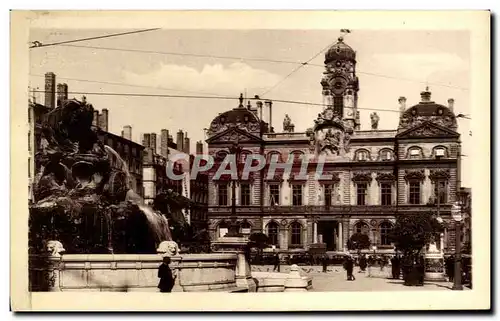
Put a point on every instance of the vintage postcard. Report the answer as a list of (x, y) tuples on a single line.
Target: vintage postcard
[(238, 160)]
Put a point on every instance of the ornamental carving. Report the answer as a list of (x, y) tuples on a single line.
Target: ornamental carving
[(362, 177), (331, 177), (385, 177), (439, 174), (233, 137), (415, 175)]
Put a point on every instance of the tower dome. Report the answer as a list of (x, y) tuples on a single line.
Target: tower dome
[(340, 51)]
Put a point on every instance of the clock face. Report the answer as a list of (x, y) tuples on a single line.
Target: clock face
[(338, 85)]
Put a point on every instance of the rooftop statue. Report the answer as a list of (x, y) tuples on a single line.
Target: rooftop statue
[(374, 118), (287, 124)]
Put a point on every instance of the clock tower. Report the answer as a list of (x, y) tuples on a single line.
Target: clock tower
[(340, 84)]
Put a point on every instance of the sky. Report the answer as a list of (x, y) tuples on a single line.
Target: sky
[(390, 64)]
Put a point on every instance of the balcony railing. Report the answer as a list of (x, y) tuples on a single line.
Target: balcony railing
[(325, 210), (285, 136)]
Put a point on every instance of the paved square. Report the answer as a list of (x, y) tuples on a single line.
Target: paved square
[(335, 280)]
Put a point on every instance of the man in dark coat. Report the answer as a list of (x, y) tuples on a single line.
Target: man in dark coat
[(348, 266), (362, 263), (324, 260), (276, 260), (167, 279), (395, 267)]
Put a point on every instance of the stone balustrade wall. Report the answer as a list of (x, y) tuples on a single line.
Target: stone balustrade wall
[(129, 272)]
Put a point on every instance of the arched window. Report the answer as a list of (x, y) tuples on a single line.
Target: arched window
[(440, 152), (273, 156), (361, 227), (385, 155), (296, 230), (297, 156), (415, 152), (385, 230), (362, 155), (272, 233), (245, 228), (223, 228)]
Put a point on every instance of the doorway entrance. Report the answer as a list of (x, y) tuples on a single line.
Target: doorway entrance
[(328, 230)]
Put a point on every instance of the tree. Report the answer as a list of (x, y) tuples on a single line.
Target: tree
[(259, 241), (358, 241), (412, 232)]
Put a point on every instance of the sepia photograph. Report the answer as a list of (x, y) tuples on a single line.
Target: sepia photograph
[(302, 160)]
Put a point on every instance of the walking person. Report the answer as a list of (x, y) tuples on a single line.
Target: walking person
[(167, 278), (348, 266), (276, 262)]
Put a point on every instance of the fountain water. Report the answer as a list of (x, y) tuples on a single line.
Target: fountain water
[(83, 193)]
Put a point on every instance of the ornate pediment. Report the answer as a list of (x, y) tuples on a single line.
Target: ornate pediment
[(427, 129), (362, 177), (385, 177), (436, 174), (417, 174), (233, 134)]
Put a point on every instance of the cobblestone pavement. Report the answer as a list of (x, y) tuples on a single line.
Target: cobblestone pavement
[(375, 280)]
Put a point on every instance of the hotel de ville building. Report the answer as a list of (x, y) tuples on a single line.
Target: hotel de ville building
[(375, 175)]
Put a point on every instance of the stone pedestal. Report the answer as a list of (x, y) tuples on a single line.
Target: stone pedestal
[(237, 245), (434, 264), (294, 282)]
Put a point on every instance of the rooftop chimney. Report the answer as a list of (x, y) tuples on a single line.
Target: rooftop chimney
[(127, 132), (50, 90), (103, 120), (180, 141), (62, 93), (199, 148), (402, 103), (146, 140), (153, 142), (164, 143), (425, 95), (187, 144), (259, 108), (451, 104), (269, 106), (95, 119)]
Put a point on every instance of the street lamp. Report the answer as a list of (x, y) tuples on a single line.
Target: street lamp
[(457, 214), (234, 228)]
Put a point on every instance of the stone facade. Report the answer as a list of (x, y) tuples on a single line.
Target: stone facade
[(376, 175)]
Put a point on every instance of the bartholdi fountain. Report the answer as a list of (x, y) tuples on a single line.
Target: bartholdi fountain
[(89, 231)]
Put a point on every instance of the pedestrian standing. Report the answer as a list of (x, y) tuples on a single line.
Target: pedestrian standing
[(362, 263), (348, 266), (167, 279), (325, 263), (276, 262)]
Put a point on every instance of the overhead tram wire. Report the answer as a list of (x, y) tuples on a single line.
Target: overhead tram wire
[(38, 44), (203, 97), (129, 85), (258, 60), (296, 69)]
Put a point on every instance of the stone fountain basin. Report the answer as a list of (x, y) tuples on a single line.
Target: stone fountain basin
[(275, 281), (130, 272)]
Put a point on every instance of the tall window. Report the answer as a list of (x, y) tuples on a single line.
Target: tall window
[(385, 229), (272, 233), (222, 193), (386, 193), (29, 141), (245, 194), (274, 194), (440, 189), (328, 190), (338, 105), (361, 193), (297, 194), (414, 192), (296, 233)]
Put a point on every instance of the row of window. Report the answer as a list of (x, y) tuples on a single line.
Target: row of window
[(386, 195)]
